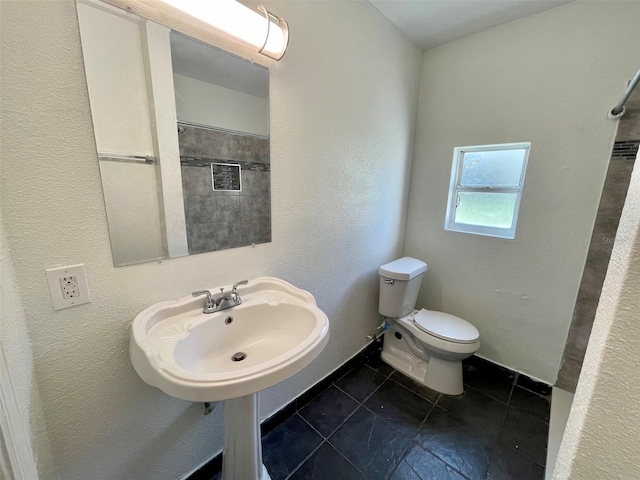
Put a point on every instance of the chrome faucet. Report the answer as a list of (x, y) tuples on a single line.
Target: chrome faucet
[(210, 304), (224, 301)]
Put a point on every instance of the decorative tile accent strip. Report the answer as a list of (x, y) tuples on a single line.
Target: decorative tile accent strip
[(627, 149), (205, 162)]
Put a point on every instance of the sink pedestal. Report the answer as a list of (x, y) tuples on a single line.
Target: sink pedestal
[(242, 455)]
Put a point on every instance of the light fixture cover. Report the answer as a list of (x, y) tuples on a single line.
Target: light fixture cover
[(261, 31)]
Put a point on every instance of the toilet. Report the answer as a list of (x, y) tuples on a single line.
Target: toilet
[(425, 345)]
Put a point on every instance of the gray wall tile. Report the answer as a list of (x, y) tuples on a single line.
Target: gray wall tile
[(578, 337), (256, 231), (586, 306), (197, 180), (265, 150), (615, 188), (228, 209), (201, 237), (193, 142), (220, 220), (228, 235), (255, 206), (256, 183), (201, 209), (569, 374), (223, 145)]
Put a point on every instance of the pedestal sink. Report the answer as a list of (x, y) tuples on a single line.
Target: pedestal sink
[(230, 355)]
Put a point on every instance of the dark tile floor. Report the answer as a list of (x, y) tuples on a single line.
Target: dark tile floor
[(375, 423)]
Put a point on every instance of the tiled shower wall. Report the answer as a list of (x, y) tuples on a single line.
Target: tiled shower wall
[(219, 220), (604, 231)]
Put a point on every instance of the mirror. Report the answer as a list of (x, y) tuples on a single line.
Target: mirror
[(182, 137)]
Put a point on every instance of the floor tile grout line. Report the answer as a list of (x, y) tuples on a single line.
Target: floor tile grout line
[(352, 398), (411, 441), (388, 375), (487, 395), (416, 393), (335, 429), (326, 439), (305, 459), (493, 443), (343, 456), (368, 396)]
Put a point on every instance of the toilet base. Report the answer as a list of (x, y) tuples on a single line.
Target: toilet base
[(444, 376)]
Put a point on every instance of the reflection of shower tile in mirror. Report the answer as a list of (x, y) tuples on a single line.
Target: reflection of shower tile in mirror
[(256, 231), (193, 142), (227, 208), (228, 235), (201, 209), (264, 150), (248, 148), (222, 145), (255, 182), (201, 237), (254, 206), (197, 180)]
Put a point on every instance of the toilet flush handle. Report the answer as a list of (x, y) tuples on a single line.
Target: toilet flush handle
[(389, 281)]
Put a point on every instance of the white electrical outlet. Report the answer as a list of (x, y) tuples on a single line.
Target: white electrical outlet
[(68, 286)]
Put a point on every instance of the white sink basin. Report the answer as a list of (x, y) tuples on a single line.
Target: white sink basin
[(188, 354)]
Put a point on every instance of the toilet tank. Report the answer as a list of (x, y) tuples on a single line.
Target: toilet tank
[(400, 282)]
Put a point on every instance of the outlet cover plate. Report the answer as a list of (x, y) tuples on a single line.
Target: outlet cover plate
[(56, 280)]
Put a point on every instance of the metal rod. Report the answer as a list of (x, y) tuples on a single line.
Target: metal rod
[(218, 129), (112, 157), (618, 110)]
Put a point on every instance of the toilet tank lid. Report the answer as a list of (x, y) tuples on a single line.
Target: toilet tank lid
[(404, 268)]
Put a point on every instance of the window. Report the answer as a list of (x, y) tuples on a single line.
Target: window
[(485, 189)]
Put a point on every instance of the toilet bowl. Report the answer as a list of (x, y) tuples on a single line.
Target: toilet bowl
[(426, 357), (425, 345)]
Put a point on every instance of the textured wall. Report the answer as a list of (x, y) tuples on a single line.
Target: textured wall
[(343, 104), (16, 349), (549, 79), (601, 437)]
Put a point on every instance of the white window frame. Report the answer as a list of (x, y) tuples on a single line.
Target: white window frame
[(455, 188)]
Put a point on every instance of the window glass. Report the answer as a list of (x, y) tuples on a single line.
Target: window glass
[(487, 209), (486, 188), (497, 168)]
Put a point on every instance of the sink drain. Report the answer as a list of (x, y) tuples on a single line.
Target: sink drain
[(238, 357)]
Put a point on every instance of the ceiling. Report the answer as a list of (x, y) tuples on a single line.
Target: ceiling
[(430, 23)]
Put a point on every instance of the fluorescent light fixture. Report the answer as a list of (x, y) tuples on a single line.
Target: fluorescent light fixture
[(261, 31)]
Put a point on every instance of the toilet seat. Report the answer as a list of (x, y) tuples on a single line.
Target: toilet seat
[(445, 326)]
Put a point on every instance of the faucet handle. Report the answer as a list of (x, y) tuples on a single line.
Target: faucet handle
[(209, 304), (236, 285), (197, 293)]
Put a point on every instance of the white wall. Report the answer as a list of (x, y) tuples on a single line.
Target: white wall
[(341, 144), (208, 104), (549, 79), (601, 437), (19, 388)]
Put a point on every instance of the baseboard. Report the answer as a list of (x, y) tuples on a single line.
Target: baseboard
[(211, 467)]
